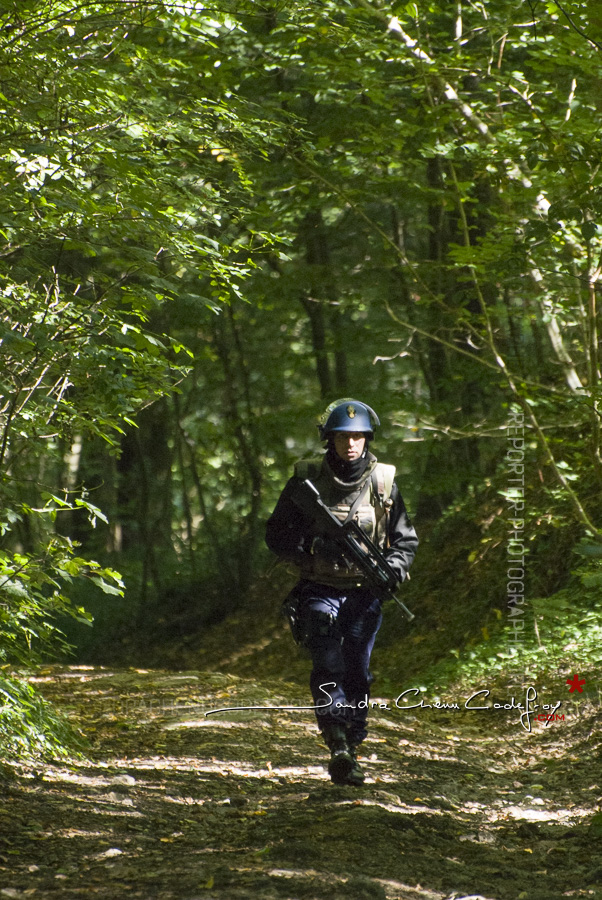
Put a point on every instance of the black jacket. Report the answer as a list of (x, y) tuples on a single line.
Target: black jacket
[(289, 533)]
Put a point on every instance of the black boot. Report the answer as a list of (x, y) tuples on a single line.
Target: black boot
[(341, 760), (356, 775)]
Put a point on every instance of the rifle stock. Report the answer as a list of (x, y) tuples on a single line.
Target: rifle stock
[(355, 543)]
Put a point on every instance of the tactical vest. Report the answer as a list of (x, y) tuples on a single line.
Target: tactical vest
[(372, 515)]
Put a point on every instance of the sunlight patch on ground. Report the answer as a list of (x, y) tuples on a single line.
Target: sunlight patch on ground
[(543, 815), (394, 890), (504, 812), (109, 810), (391, 807), (64, 775), (215, 723), (77, 832), (167, 679), (64, 676), (425, 751), (221, 767)]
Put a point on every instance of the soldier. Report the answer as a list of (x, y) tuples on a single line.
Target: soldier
[(331, 610)]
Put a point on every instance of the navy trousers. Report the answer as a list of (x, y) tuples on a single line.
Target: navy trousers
[(339, 627)]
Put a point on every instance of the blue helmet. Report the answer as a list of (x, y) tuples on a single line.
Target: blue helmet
[(348, 415)]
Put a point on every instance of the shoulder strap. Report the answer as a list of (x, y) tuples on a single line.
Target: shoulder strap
[(384, 477), (382, 485), (358, 502)]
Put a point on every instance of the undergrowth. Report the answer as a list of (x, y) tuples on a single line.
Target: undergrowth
[(31, 727), (559, 637)]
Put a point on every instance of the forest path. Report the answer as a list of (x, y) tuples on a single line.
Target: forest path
[(175, 804)]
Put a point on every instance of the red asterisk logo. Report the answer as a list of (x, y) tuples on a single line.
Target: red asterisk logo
[(576, 684)]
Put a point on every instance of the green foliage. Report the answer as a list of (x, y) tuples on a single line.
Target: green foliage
[(590, 571), (218, 219), (29, 726), (34, 592), (567, 638), (113, 198)]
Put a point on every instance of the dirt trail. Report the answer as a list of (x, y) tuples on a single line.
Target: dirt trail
[(175, 804)]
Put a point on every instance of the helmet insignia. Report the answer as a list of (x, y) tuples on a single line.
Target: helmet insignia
[(351, 411)]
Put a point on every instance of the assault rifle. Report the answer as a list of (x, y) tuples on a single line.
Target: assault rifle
[(355, 544)]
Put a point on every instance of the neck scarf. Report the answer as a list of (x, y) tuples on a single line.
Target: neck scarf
[(347, 470)]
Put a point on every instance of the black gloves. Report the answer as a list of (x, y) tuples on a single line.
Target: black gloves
[(396, 564)]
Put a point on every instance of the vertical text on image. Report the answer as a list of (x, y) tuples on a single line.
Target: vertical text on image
[(515, 580)]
